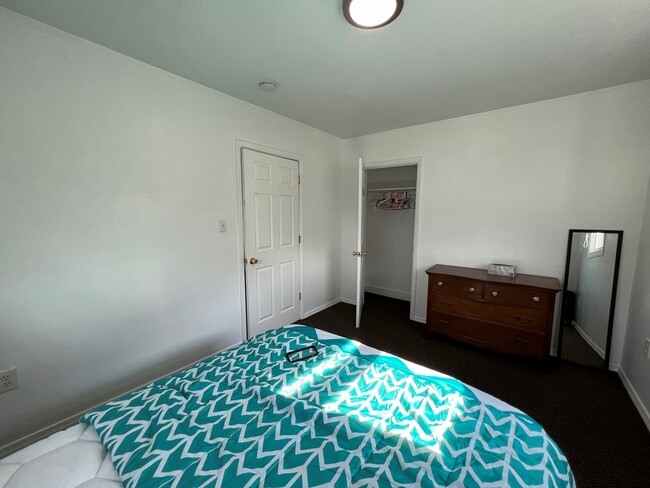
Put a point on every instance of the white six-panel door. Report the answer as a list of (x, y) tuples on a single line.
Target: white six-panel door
[(271, 240)]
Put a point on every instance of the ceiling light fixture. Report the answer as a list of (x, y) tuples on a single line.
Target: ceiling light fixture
[(371, 14), (267, 86)]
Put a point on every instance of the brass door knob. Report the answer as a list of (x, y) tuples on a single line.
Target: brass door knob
[(253, 261)]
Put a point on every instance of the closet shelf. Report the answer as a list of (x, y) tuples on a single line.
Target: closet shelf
[(395, 188)]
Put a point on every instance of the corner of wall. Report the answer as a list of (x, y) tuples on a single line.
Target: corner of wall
[(635, 369)]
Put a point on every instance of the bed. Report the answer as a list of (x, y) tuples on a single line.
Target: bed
[(297, 406)]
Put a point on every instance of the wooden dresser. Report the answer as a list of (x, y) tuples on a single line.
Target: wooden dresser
[(512, 315)]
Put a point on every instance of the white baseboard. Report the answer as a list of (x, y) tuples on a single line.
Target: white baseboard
[(388, 292), (29, 439), (588, 340), (422, 320), (348, 301), (321, 308), (636, 399)]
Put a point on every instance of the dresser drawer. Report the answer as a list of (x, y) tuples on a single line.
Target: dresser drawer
[(494, 336), (456, 286), (442, 302), (512, 295), (523, 317), (459, 326)]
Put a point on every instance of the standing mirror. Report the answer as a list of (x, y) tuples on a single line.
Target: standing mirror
[(589, 295)]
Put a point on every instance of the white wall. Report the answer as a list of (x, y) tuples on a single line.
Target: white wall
[(389, 236), (635, 366), (389, 243), (505, 186), (113, 176)]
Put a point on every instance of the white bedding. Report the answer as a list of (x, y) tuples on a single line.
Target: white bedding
[(75, 457), (72, 458)]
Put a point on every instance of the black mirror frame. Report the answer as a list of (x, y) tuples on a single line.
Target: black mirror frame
[(612, 303)]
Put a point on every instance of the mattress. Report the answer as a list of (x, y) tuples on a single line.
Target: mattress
[(297, 406), (72, 458)]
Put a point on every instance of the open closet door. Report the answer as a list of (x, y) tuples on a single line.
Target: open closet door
[(360, 253)]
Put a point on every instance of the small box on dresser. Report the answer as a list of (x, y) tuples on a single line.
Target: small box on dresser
[(511, 315)]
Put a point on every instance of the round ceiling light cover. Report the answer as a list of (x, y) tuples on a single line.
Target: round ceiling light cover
[(371, 14)]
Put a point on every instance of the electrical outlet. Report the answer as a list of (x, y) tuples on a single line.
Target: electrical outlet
[(646, 348), (8, 380)]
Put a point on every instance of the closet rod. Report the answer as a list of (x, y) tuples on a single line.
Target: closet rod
[(392, 189)]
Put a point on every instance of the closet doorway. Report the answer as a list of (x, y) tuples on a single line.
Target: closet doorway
[(391, 229)]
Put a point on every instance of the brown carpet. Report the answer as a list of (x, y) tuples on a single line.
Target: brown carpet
[(586, 411)]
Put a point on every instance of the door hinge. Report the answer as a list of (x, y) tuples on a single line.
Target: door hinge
[(298, 179), (299, 296), (299, 239)]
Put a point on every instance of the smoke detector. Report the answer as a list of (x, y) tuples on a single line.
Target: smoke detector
[(267, 86)]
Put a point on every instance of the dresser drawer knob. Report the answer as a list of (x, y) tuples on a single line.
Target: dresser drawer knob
[(494, 293), (445, 323), (536, 299), (471, 290), (440, 283), (521, 341), (523, 320)]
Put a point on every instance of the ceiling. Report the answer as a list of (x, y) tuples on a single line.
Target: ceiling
[(439, 59)]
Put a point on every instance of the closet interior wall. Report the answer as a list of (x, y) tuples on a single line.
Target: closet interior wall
[(389, 231)]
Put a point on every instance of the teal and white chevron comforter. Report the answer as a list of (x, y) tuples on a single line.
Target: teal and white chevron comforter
[(247, 417)]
